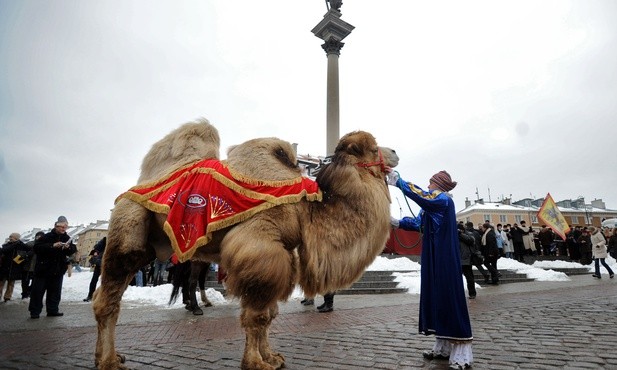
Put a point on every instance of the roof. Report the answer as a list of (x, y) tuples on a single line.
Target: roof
[(495, 206)]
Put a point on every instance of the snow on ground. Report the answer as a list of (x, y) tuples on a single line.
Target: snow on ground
[(75, 288)]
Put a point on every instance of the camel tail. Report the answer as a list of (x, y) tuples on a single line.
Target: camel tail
[(181, 274)]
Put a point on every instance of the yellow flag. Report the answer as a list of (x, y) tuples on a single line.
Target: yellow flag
[(552, 217)]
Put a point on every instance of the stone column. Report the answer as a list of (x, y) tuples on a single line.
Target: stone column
[(332, 29)]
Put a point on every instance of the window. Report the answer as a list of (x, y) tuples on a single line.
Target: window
[(503, 219), (487, 218), (574, 220), (518, 219), (534, 219)]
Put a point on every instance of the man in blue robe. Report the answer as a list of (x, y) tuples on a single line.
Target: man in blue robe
[(443, 307)]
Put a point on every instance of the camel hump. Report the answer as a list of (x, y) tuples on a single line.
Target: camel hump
[(266, 158), (188, 143)]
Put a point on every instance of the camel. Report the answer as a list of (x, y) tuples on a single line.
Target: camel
[(320, 246)]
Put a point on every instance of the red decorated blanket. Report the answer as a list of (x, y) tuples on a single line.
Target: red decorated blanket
[(204, 196)]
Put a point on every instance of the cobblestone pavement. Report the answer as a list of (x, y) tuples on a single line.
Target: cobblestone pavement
[(538, 325)]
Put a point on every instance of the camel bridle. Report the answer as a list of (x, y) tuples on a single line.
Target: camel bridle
[(380, 163)]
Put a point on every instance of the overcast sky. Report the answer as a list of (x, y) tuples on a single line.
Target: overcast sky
[(519, 97)]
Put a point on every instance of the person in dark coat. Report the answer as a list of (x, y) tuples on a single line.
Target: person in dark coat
[(572, 240), (546, 238), (519, 245), (490, 251), (469, 251), (584, 243), (96, 257), (51, 251), (479, 260), (28, 272), (12, 261)]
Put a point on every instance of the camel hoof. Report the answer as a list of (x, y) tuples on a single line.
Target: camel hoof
[(114, 365), (277, 360), (256, 365), (207, 304)]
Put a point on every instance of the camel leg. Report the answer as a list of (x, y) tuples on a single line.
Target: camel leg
[(125, 253), (257, 352), (275, 359), (262, 272), (106, 306)]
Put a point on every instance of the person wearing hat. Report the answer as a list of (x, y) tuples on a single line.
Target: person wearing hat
[(28, 273), (443, 307), (51, 251), (12, 261)]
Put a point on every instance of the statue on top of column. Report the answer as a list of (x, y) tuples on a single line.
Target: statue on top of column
[(334, 4)]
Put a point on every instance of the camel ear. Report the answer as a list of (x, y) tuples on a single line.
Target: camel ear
[(285, 157), (354, 149)]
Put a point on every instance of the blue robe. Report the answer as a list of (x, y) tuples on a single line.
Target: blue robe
[(443, 307)]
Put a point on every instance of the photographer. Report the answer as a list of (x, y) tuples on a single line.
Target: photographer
[(96, 257), (469, 253), (51, 251)]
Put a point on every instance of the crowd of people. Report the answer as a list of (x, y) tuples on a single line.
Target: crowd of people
[(450, 249), (40, 266)]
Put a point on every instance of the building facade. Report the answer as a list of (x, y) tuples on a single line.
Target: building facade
[(576, 213), (88, 237)]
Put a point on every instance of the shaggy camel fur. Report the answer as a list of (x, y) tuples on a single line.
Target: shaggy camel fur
[(267, 255)]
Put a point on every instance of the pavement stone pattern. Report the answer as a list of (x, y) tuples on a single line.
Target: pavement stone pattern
[(537, 325)]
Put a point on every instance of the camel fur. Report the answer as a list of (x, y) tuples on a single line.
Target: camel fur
[(321, 246)]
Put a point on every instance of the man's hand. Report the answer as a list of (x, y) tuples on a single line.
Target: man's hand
[(392, 178)]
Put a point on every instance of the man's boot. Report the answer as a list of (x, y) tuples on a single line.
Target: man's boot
[(328, 304)]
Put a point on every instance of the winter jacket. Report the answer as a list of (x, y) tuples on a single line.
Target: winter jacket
[(96, 255), (546, 237), (599, 245), (517, 234), (489, 247), (51, 261), (584, 242), (468, 247), (612, 245), (9, 268)]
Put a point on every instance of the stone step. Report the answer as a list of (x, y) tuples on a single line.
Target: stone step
[(371, 291), (361, 284), (480, 281), (571, 270)]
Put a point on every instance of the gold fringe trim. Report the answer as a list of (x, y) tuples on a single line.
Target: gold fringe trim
[(270, 201), (261, 182)]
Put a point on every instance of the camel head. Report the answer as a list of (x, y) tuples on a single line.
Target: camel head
[(264, 158), (390, 157), (360, 148), (362, 158)]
